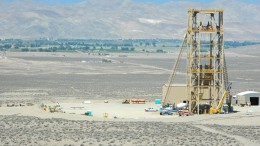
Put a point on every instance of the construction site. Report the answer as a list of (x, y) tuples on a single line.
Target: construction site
[(198, 83), (206, 89), (207, 86), (85, 99)]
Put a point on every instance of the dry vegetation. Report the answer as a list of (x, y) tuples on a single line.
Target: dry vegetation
[(17, 130)]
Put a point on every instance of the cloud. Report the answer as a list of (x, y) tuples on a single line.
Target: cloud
[(149, 21)]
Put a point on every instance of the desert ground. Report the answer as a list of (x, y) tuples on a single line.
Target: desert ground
[(71, 78)]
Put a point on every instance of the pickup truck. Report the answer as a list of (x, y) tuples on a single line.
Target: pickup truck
[(150, 109), (168, 111)]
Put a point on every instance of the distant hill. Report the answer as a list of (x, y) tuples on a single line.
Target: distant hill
[(113, 19)]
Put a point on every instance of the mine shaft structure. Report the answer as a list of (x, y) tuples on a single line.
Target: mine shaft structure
[(206, 68), (206, 72)]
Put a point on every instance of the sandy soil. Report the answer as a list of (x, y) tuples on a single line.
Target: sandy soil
[(31, 125), (35, 131), (39, 76), (70, 78)]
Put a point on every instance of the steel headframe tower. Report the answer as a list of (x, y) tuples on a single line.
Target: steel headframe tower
[(205, 57)]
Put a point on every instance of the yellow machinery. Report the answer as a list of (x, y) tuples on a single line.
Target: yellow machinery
[(218, 108)]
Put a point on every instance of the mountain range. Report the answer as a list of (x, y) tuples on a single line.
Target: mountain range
[(120, 19)]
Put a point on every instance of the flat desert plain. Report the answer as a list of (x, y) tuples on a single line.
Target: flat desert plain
[(71, 78)]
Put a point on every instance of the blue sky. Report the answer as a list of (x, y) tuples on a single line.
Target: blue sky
[(52, 1), (201, 1), (60, 1), (153, 1), (163, 1)]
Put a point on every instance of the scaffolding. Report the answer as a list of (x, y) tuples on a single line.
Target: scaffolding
[(205, 58), (206, 70)]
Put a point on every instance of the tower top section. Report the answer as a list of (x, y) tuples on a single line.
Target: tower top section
[(205, 10), (205, 20)]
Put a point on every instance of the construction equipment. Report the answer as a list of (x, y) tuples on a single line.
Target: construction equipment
[(184, 112), (220, 104), (55, 108), (138, 101), (52, 109), (126, 101), (203, 109), (183, 109)]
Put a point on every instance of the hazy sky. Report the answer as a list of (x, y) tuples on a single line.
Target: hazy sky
[(163, 1), (52, 1), (201, 1), (154, 1)]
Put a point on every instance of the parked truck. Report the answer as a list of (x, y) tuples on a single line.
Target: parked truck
[(168, 111)]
